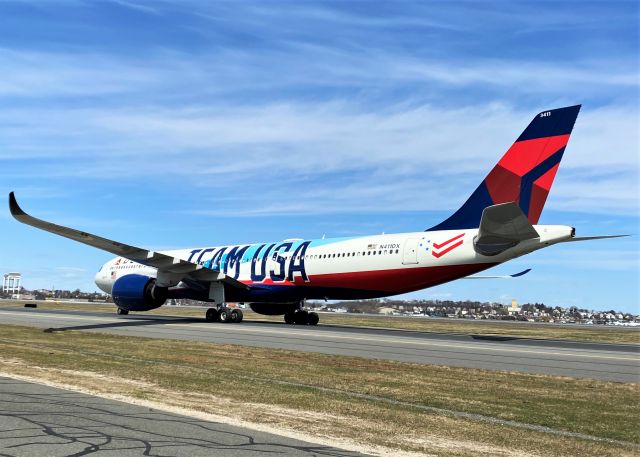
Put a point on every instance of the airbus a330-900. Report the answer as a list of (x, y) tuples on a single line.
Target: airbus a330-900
[(496, 224)]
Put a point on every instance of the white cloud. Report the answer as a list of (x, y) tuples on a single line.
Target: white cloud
[(334, 157), (172, 116), (164, 74)]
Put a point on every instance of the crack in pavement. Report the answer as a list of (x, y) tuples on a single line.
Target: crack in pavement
[(58, 422)]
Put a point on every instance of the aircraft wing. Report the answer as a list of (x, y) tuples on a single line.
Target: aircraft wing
[(162, 262)]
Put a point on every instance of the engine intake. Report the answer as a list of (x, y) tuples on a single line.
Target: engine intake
[(138, 293)]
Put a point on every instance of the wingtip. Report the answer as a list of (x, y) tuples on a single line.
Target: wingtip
[(14, 207)]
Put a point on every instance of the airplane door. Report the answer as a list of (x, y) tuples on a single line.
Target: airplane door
[(410, 251)]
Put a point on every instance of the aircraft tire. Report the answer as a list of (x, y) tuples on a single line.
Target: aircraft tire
[(302, 318), (122, 312), (290, 318), (313, 319), (225, 316), (212, 315), (236, 316)]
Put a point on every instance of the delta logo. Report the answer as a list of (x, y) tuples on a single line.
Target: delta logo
[(440, 249)]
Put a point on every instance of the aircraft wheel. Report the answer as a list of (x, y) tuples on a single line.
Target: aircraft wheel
[(290, 318), (212, 315), (236, 316), (122, 312), (302, 318), (225, 316), (313, 319)]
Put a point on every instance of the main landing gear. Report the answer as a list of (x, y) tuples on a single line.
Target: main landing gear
[(224, 314), (122, 312), (301, 317)]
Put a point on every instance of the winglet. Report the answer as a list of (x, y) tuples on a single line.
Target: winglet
[(15, 209)]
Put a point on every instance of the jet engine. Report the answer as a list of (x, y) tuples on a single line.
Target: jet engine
[(138, 293)]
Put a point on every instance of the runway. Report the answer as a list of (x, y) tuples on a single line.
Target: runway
[(37, 420), (611, 362)]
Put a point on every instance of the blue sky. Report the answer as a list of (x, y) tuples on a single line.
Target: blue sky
[(176, 124)]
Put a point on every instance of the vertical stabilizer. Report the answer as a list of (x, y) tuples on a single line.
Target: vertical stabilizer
[(525, 173)]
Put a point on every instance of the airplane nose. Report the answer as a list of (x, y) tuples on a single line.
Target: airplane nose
[(101, 281), (96, 279)]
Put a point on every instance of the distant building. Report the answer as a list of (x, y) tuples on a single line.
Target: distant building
[(11, 284), (514, 308)]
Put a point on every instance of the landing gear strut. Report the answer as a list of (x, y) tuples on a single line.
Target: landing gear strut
[(224, 314)]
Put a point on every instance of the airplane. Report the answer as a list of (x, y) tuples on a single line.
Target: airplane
[(497, 223)]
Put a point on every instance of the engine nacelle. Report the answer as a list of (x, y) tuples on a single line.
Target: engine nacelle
[(272, 309), (138, 293)]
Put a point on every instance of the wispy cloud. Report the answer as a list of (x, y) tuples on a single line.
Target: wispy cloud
[(166, 75), (338, 157)]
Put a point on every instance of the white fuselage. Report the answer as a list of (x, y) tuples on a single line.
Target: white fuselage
[(361, 267)]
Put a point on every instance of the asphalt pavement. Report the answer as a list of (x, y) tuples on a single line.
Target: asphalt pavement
[(37, 420)]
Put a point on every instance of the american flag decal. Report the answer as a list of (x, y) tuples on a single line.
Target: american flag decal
[(372, 246)]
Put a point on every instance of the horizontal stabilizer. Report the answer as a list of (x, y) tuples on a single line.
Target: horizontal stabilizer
[(166, 263), (502, 227), (589, 238), (515, 275)]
